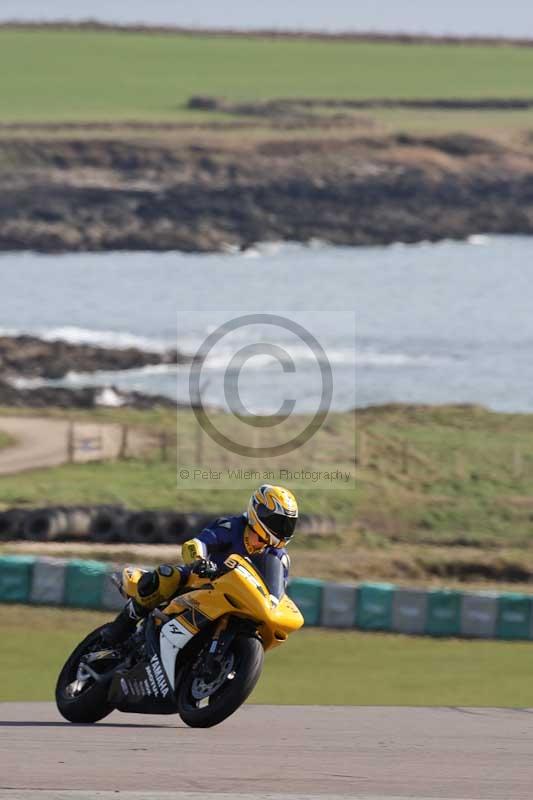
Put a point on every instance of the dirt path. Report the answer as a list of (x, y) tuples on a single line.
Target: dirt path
[(44, 442)]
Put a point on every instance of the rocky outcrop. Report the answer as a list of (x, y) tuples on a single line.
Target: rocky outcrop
[(85, 397), (80, 195), (30, 357), (296, 105)]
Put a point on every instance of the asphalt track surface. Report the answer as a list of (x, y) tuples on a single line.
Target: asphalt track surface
[(274, 752)]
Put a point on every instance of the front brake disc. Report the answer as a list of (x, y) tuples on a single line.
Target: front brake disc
[(201, 688)]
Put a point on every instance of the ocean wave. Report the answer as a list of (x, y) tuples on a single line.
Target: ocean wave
[(338, 357), (104, 376), (372, 358), (120, 340), (105, 338), (220, 359), (275, 248), (26, 383), (479, 239)]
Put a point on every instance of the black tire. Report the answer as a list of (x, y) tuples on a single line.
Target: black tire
[(92, 704), (248, 663)]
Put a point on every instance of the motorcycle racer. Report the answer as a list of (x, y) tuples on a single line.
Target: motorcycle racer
[(267, 526)]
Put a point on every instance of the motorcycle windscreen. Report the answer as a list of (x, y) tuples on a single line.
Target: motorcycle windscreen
[(272, 571)]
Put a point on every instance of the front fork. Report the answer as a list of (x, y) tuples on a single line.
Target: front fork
[(219, 644)]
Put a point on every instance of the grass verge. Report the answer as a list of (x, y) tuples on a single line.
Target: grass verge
[(441, 495), (422, 475), (354, 668), (61, 75), (154, 481), (5, 440)]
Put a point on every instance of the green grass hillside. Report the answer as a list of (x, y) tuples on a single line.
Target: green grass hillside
[(421, 475), (87, 75)]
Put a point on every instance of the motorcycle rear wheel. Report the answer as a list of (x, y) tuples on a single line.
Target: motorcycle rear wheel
[(247, 664), (91, 704)]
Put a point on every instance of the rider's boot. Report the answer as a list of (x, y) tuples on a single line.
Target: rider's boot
[(124, 624), (154, 587)]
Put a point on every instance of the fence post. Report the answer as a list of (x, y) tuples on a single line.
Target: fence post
[(362, 450), (122, 453), (405, 457), (100, 443), (70, 442), (199, 455), (163, 443)]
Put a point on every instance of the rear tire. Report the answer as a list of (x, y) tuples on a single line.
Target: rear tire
[(248, 663), (91, 704)]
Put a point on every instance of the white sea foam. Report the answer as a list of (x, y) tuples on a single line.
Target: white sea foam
[(371, 358), (251, 252), (219, 359), (26, 383), (120, 340), (104, 376), (297, 354), (104, 338), (479, 239)]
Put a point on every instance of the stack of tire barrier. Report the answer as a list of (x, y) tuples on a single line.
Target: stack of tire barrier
[(108, 524), (367, 606)]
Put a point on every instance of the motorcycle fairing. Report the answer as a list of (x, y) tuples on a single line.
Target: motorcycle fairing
[(242, 592), (174, 636), (149, 686), (145, 688)]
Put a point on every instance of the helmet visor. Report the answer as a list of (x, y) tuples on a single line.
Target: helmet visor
[(281, 526)]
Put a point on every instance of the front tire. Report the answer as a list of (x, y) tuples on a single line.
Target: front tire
[(248, 655), (90, 704)]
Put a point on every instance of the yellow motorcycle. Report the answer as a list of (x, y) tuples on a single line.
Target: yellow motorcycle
[(200, 656)]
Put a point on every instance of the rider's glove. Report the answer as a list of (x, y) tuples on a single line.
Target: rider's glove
[(205, 568)]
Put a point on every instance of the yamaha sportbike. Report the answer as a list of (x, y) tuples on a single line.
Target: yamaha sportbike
[(200, 656)]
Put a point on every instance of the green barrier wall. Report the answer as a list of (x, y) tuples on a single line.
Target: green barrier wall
[(15, 578), (514, 616), (374, 606), (84, 583), (307, 594), (444, 613)]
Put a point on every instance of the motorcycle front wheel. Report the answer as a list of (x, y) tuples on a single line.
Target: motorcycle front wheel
[(206, 700)]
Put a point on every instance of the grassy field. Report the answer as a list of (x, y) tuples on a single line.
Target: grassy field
[(5, 440), (354, 668), (431, 475), (75, 75), (153, 481), (440, 496), (447, 474)]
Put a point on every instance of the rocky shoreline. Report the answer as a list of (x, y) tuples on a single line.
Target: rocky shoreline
[(86, 397), (28, 357), (97, 194)]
